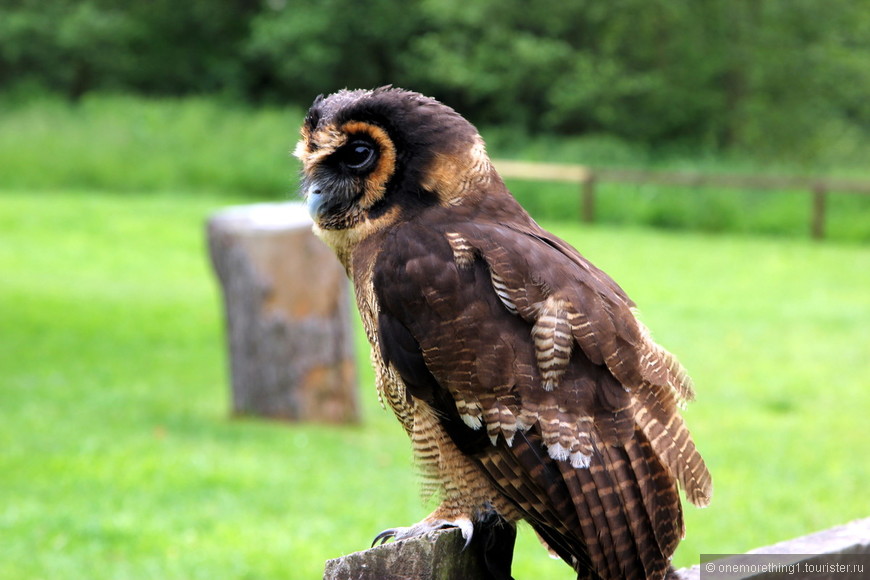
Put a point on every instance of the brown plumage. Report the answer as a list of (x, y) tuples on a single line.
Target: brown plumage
[(519, 370)]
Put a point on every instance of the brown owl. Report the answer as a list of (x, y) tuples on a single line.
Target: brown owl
[(526, 383)]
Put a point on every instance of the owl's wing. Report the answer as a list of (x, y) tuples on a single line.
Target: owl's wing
[(539, 370)]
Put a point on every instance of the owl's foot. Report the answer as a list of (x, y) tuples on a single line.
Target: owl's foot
[(427, 525), (493, 542)]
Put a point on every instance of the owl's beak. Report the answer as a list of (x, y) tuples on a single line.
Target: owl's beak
[(326, 201), (314, 200)]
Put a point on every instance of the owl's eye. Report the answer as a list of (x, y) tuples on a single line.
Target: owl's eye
[(358, 155)]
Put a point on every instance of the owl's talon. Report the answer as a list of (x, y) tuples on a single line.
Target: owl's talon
[(465, 526), (384, 537)]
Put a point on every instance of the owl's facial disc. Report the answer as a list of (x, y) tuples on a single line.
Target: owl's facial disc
[(345, 172)]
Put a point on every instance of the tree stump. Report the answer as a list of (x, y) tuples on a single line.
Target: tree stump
[(288, 315)]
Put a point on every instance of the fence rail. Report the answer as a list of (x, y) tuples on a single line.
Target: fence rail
[(587, 178)]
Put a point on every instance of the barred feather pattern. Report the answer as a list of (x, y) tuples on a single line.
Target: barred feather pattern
[(390, 389), (577, 402), (445, 472)]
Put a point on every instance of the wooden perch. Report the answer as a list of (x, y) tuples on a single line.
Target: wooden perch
[(848, 541), (439, 555), (434, 556), (288, 315)]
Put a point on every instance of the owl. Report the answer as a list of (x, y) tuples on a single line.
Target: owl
[(520, 372)]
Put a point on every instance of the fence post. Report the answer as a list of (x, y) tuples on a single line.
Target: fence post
[(820, 195), (587, 194)]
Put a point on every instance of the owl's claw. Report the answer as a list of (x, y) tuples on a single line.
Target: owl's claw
[(385, 537), (464, 524)]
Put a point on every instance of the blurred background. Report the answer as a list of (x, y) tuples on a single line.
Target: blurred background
[(124, 125)]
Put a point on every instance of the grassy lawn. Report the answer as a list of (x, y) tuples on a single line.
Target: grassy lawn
[(128, 144), (119, 460)]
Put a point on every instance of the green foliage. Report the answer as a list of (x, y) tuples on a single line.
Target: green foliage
[(119, 460), (127, 144), (159, 46), (780, 78), (301, 49), (130, 144), (62, 45)]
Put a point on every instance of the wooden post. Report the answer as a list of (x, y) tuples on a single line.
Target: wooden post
[(588, 198), (818, 219), (432, 556), (440, 555), (288, 315), (802, 558)]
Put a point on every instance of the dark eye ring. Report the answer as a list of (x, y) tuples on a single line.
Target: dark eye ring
[(359, 155)]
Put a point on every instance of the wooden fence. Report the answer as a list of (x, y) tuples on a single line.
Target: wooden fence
[(587, 178)]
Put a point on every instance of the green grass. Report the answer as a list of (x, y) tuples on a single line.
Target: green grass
[(127, 144), (119, 459), (711, 210)]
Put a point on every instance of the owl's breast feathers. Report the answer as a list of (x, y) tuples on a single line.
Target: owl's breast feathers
[(538, 369)]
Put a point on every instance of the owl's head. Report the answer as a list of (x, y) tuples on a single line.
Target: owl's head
[(373, 157)]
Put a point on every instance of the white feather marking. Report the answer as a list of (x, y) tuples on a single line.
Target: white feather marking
[(473, 421), (463, 252), (580, 460), (558, 452), (503, 292)]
